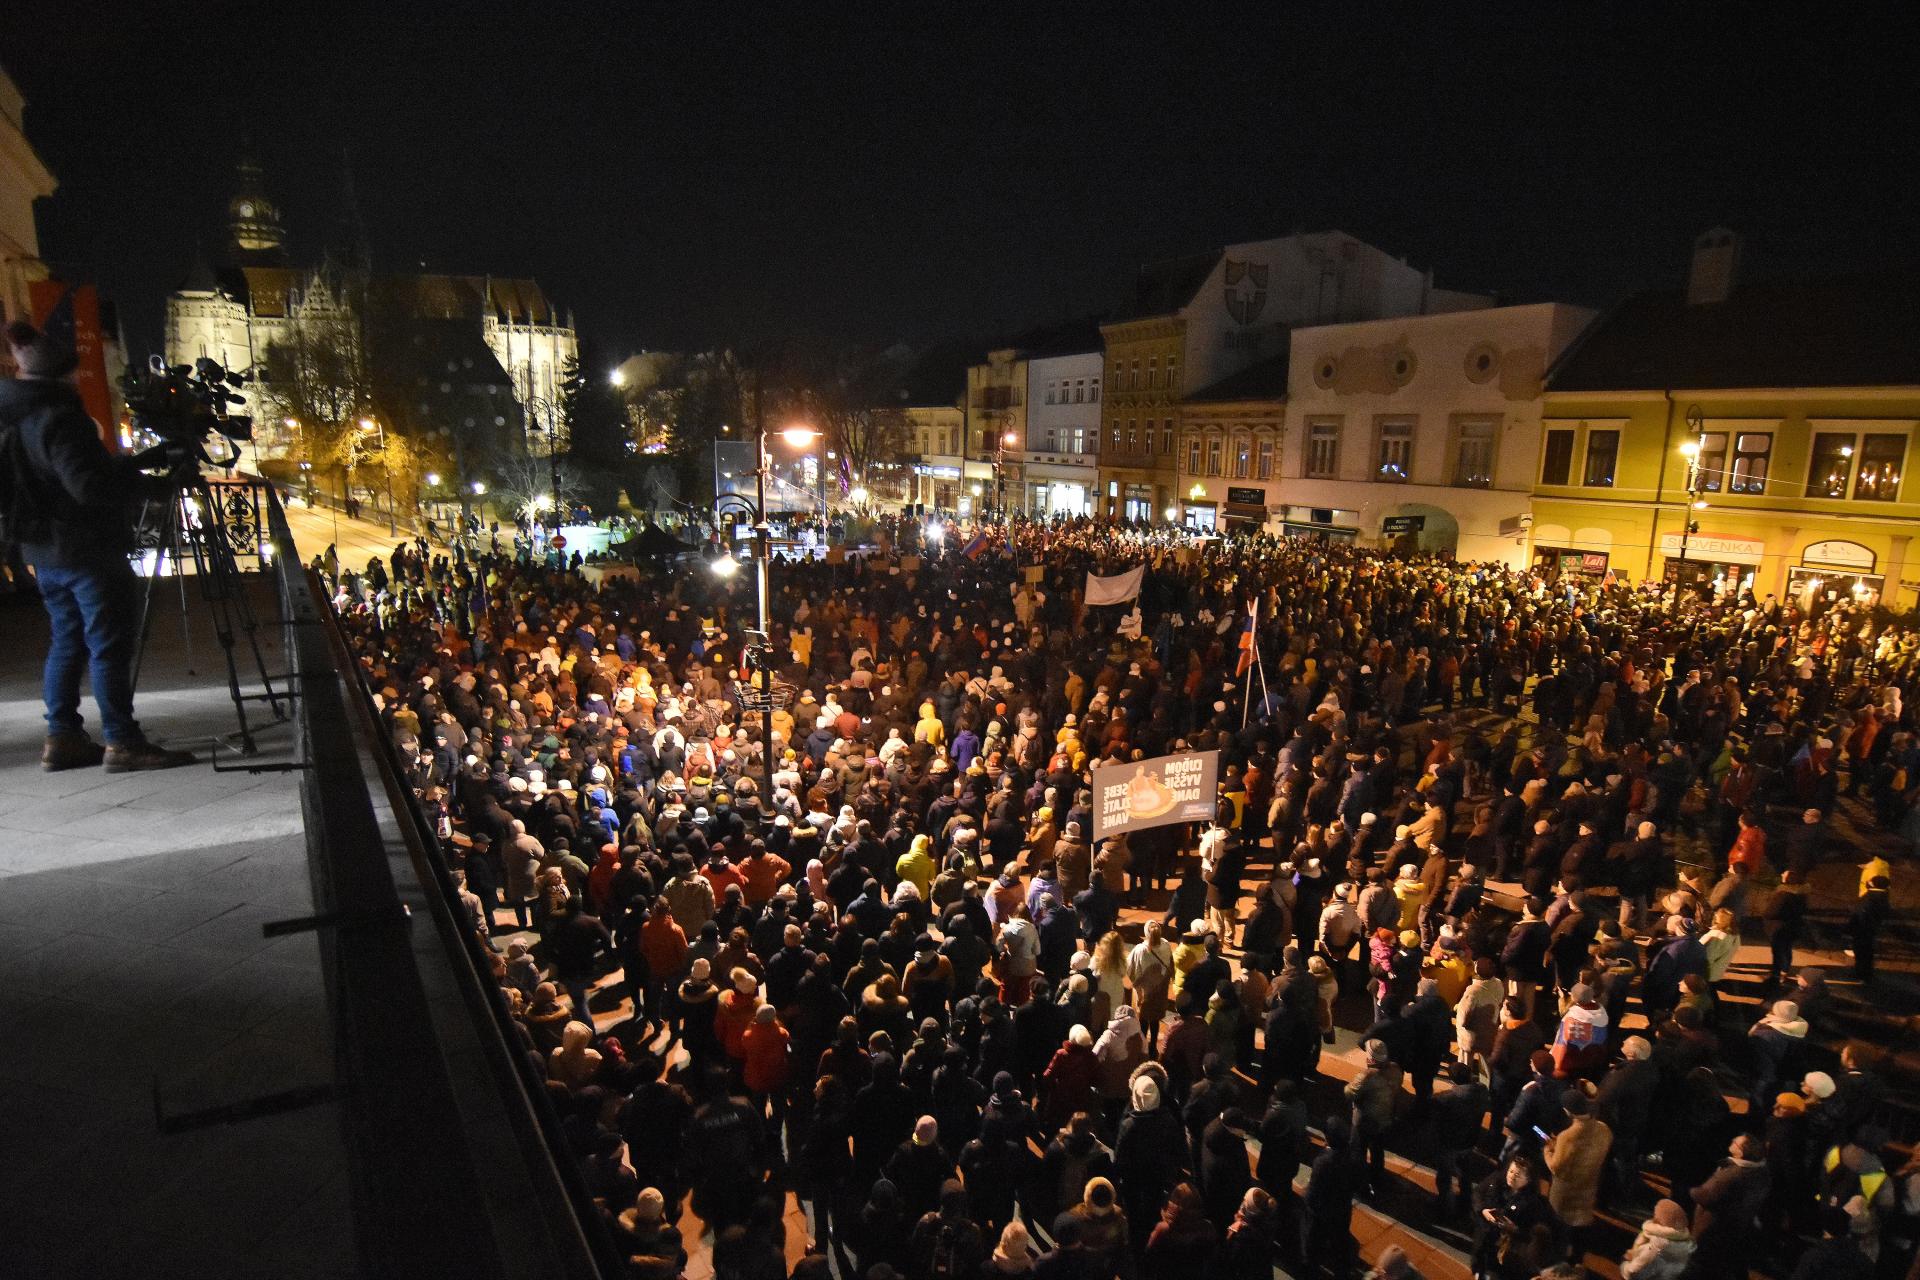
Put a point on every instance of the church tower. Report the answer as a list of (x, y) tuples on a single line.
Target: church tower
[(252, 217)]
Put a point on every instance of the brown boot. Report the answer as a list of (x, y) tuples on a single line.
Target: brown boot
[(130, 757), (72, 749)]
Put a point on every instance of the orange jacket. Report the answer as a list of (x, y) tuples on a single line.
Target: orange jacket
[(731, 1020), (764, 1048)]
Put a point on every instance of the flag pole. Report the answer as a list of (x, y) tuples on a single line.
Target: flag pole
[(1252, 637)]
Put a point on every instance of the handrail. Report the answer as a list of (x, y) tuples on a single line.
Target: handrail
[(456, 1164)]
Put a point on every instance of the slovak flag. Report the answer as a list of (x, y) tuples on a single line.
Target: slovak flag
[(1247, 639), (976, 547)]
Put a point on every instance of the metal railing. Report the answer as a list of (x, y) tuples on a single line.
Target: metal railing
[(456, 1163)]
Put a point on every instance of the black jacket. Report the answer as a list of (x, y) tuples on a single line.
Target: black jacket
[(80, 513)]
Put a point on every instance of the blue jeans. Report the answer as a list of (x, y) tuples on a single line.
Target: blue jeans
[(95, 613)]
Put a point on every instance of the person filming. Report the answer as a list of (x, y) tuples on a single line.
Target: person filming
[(68, 504)]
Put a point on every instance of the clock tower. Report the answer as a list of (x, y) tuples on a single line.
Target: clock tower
[(253, 218)]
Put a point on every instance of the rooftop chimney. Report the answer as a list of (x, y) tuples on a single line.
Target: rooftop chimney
[(1716, 267)]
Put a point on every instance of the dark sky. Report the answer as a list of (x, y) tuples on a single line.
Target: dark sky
[(705, 173)]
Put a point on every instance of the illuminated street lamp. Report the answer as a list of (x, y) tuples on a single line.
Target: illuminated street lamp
[(799, 435), (1696, 479), (1007, 441)]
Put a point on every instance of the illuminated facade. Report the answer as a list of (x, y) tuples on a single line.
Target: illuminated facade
[(23, 180), (234, 314), (1194, 322), (1734, 435)]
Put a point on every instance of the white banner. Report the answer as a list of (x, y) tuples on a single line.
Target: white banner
[(1116, 588)]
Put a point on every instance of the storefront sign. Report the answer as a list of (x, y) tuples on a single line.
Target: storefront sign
[(1402, 524), (1593, 562), (938, 473), (1716, 548), (1838, 553), (1154, 793), (1247, 497)]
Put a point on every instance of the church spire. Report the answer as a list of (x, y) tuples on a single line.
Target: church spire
[(253, 219)]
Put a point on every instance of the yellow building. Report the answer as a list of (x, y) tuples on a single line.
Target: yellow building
[(1739, 435)]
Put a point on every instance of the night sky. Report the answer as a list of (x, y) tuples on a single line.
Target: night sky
[(716, 173)]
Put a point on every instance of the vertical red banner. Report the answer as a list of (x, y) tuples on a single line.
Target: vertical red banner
[(72, 312)]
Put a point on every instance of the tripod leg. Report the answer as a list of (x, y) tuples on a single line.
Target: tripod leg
[(167, 548), (186, 630)]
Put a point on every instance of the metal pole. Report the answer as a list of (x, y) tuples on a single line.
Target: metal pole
[(1694, 424), (762, 549)]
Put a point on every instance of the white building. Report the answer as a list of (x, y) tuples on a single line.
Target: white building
[(1061, 460), (1194, 322), (23, 180), (1421, 432)]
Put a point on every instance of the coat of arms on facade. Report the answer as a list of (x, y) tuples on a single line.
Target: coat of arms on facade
[(1246, 289)]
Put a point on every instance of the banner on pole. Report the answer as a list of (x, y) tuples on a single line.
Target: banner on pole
[(72, 313), (1115, 588), (1154, 793)]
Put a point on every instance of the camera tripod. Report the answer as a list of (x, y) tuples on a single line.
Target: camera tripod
[(191, 522)]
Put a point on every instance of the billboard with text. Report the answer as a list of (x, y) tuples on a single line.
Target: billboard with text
[(1154, 793)]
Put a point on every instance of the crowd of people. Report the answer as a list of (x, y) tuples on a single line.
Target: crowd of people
[(1508, 833)]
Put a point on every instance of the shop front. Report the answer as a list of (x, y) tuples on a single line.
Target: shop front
[(1056, 490), (1556, 562), (1245, 508), (1716, 565), (1834, 569)]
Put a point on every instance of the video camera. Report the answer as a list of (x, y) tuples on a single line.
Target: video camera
[(185, 406)]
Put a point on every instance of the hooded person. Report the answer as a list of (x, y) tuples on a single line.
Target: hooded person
[(652, 1246), (1150, 1154), (1013, 1256), (1664, 1247), (575, 1063)]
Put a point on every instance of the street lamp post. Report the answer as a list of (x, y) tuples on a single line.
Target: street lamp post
[(374, 425), (1007, 440), (760, 651), (1695, 480), (535, 404)]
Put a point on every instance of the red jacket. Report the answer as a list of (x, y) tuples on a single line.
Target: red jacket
[(765, 1049), (1749, 851), (665, 946), (731, 1020)]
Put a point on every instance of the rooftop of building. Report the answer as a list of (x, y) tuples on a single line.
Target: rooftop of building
[(1266, 380), (1855, 331)]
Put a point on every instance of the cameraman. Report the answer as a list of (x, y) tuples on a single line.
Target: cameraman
[(69, 504)]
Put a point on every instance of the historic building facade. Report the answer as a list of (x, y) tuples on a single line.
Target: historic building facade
[(235, 313), (996, 406), (1193, 322), (1734, 435), (1420, 432), (1228, 448), (1063, 434), (23, 180)]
